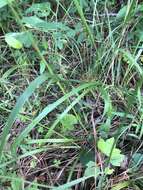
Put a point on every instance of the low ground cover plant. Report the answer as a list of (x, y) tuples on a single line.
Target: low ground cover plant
[(71, 95)]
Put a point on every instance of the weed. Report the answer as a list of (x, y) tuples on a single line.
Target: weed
[(71, 95)]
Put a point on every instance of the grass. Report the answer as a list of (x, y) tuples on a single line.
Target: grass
[(71, 95)]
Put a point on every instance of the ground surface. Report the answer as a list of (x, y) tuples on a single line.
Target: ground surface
[(71, 97)]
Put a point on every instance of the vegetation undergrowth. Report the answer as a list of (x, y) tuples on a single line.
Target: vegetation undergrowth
[(71, 98)]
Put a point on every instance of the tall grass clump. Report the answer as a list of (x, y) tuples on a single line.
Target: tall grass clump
[(71, 75)]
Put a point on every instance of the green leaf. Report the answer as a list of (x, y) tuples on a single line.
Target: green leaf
[(66, 112), (68, 122), (107, 102), (127, 11), (33, 164), (121, 185), (109, 171), (105, 127), (92, 170), (116, 158), (5, 2), (25, 38), (86, 155), (106, 146), (42, 67), (39, 24), (13, 42), (122, 12), (40, 9)]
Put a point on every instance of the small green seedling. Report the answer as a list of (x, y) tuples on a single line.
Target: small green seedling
[(68, 122), (108, 148)]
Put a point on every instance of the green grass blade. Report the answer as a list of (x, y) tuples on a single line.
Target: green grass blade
[(41, 141), (107, 102), (130, 7), (70, 184), (21, 101), (5, 2), (85, 25), (26, 154), (46, 111), (121, 185)]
